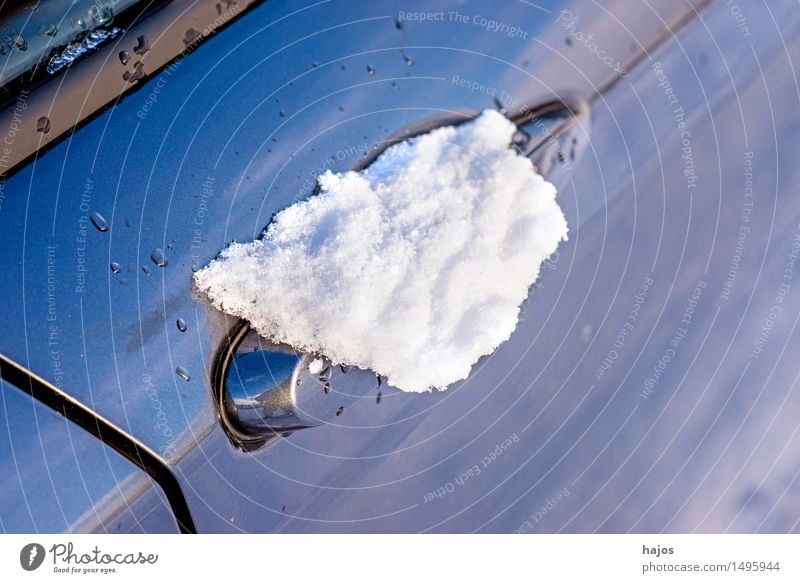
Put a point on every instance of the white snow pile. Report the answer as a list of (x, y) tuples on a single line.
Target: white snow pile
[(414, 268)]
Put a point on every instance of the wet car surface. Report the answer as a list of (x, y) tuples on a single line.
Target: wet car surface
[(650, 383)]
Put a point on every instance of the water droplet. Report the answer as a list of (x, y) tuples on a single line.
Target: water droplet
[(325, 375), (499, 105), (282, 113), (370, 70), (115, 268), (146, 270), (314, 64), (136, 74), (191, 37), (378, 398), (409, 61), (124, 57), (561, 156), (158, 257), (99, 221), (339, 411), (102, 15), (327, 388), (43, 124), (123, 281), (183, 373), (344, 368), (48, 30), (19, 42), (181, 323), (568, 41), (398, 24), (142, 45)]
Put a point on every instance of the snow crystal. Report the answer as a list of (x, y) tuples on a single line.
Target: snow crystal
[(316, 366), (414, 268)]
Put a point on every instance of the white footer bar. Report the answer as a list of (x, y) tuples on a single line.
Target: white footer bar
[(411, 558)]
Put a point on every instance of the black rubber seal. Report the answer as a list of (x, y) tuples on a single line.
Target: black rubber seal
[(105, 431)]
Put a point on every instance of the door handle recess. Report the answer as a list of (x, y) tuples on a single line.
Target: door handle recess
[(265, 390)]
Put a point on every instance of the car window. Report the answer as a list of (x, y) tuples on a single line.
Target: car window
[(44, 36)]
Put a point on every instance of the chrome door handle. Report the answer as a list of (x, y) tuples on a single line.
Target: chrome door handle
[(266, 390)]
